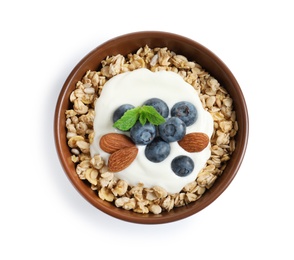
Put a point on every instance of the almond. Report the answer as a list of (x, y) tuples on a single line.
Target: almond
[(122, 158), (194, 142), (113, 142)]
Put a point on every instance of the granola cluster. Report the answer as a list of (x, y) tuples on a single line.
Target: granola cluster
[(79, 123)]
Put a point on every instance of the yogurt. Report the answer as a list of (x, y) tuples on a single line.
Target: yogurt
[(135, 88)]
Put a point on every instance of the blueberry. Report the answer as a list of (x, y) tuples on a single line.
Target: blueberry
[(157, 150), (159, 105), (182, 165), (173, 129), (119, 112), (186, 111), (143, 134)]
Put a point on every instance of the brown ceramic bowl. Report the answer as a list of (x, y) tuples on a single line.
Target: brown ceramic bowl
[(193, 51)]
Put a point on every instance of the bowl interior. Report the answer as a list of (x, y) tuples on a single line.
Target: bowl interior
[(193, 51)]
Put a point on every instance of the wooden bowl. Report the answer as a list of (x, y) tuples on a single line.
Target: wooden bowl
[(124, 45)]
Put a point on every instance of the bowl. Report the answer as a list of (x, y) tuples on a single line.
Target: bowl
[(124, 45)]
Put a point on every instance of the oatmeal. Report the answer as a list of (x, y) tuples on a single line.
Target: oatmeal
[(93, 167)]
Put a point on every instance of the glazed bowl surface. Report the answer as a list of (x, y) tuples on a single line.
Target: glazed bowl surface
[(130, 43)]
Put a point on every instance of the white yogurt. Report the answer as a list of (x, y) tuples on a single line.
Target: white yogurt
[(135, 88)]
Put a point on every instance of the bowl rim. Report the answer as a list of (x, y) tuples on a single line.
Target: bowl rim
[(132, 216)]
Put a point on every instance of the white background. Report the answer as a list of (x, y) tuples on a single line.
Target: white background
[(44, 217)]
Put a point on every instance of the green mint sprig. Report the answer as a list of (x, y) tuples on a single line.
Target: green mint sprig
[(143, 114)]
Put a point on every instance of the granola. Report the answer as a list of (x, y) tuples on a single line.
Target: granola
[(79, 124)]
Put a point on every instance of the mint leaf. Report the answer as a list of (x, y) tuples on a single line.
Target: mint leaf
[(127, 121), (143, 114), (152, 115), (143, 118)]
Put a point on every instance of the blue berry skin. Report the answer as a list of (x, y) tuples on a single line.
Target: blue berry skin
[(119, 112), (186, 111), (159, 105), (172, 130), (142, 134), (157, 150), (182, 165)]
